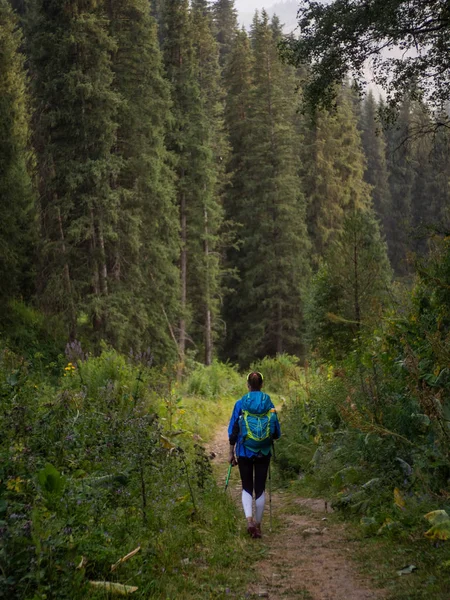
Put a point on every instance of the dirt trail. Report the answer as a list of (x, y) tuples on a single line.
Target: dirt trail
[(311, 565)]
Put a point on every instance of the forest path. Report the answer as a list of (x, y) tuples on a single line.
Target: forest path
[(299, 564)]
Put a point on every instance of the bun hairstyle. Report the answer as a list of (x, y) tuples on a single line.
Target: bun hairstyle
[(255, 381)]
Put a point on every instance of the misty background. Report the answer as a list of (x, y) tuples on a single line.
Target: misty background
[(286, 11)]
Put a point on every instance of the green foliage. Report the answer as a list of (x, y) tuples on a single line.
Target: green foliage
[(215, 381), (206, 271), (197, 141), (371, 431), (360, 33), (225, 21), (144, 277), (351, 289), (30, 332), (401, 184), (85, 478), (280, 372), (17, 216), (74, 135), (333, 165), (104, 174), (182, 197), (376, 173), (51, 482), (265, 306)]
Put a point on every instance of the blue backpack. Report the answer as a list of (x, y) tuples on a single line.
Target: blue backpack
[(257, 423)]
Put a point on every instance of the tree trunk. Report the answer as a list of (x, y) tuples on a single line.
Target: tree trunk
[(95, 275), (208, 320), (183, 275), (100, 271), (67, 280), (356, 289), (103, 268), (279, 340)]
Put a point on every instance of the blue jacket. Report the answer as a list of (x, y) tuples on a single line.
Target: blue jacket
[(234, 435)]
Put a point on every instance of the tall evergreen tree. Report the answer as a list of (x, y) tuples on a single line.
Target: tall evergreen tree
[(143, 274), (351, 287), (425, 173), (205, 278), (333, 167), (200, 7), (76, 112), (239, 87), (225, 21), (401, 183), (438, 212), (157, 12), (189, 140), (17, 223), (266, 308), (374, 145)]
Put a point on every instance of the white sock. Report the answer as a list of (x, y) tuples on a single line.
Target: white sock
[(247, 502), (260, 502)]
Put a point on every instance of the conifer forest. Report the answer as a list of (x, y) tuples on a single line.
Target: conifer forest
[(183, 199)]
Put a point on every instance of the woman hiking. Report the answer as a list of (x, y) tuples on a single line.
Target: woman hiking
[(252, 428)]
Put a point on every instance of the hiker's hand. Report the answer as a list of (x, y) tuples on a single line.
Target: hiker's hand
[(231, 458)]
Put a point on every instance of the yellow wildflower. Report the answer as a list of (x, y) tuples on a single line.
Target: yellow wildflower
[(15, 485)]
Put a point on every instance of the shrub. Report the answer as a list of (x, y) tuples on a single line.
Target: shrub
[(89, 471)]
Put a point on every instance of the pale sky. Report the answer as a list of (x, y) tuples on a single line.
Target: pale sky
[(246, 10), (251, 5)]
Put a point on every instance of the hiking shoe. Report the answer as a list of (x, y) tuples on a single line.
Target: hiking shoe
[(251, 529), (257, 533)]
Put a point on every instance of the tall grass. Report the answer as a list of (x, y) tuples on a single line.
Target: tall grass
[(107, 459)]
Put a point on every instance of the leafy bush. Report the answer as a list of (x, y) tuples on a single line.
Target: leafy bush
[(30, 332), (378, 421), (216, 381), (90, 471), (279, 372)]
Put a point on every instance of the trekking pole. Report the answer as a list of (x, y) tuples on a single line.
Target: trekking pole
[(270, 500), (228, 476)]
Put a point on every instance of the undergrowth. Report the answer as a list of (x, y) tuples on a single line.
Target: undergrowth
[(371, 433), (107, 458)]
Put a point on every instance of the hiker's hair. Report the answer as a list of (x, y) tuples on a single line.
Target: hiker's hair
[(255, 381)]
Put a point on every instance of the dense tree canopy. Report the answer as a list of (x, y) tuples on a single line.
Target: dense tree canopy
[(182, 199), (404, 40), (16, 193)]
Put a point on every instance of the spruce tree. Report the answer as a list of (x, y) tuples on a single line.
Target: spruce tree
[(438, 211), (266, 308), (425, 173), (76, 112), (351, 287), (189, 141), (17, 218), (401, 183), (238, 78), (205, 276), (376, 173), (225, 21), (143, 276), (333, 166)]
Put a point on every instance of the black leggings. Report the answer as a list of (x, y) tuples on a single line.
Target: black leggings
[(260, 464)]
